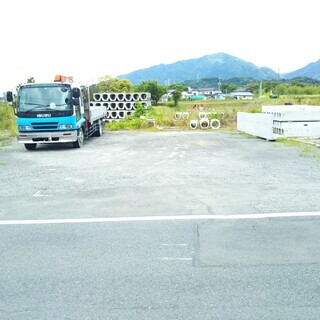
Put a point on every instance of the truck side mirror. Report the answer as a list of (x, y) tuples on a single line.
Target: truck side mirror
[(76, 102), (9, 96), (76, 93)]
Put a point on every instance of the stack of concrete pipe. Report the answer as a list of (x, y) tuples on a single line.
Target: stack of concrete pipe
[(120, 104), (204, 122)]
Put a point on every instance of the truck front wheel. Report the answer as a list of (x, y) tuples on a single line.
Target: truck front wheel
[(80, 141), (30, 146)]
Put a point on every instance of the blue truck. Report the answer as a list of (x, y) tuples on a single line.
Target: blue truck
[(56, 112)]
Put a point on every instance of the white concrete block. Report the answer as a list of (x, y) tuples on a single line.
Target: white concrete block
[(256, 124)]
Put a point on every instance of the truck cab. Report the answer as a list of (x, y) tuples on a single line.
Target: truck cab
[(56, 112)]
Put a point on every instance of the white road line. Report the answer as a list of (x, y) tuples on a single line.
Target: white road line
[(174, 244), (40, 194), (174, 259), (163, 218)]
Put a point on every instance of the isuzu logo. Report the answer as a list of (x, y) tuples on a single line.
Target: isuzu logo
[(44, 115)]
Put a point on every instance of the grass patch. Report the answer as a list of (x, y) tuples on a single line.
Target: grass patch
[(8, 128), (290, 142), (305, 150)]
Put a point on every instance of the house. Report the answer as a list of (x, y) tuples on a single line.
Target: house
[(206, 92), (241, 95)]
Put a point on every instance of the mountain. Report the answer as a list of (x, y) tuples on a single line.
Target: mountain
[(312, 70), (216, 65)]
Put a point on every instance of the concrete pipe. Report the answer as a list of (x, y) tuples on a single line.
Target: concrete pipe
[(121, 114), (113, 106), (128, 97), (113, 114), (128, 106), (143, 96), (204, 123), (135, 96), (178, 115), (107, 114), (145, 105), (194, 124), (215, 124), (202, 115), (113, 97), (120, 105), (120, 97), (105, 96), (185, 115), (97, 97)]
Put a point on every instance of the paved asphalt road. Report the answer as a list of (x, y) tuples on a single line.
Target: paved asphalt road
[(246, 263)]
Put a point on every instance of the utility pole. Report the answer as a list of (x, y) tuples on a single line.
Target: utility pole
[(260, 89)]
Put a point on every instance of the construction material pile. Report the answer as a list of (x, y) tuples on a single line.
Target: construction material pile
[(120, 104)]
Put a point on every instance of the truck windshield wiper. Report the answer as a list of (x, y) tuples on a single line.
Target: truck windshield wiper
[(37, 106)]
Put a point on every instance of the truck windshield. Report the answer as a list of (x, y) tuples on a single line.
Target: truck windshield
[(55, 99)]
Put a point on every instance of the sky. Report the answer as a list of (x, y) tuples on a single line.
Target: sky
[(91, 39)]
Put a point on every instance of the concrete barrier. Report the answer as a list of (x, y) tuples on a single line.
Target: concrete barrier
[(256, 124)]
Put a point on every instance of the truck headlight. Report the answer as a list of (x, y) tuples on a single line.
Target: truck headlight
[(65, 126), (25, 128)]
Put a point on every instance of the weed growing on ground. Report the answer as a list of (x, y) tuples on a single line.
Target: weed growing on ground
[(7, 122), (305, 150)]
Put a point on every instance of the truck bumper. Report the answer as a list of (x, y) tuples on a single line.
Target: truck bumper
[(47, 137)]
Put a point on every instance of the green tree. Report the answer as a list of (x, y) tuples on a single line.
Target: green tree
[(227, 88), (178, 86), (156, 90), (176, 96), (109, 84)]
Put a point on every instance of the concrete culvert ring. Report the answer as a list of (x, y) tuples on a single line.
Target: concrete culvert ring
[(128, 97), (204, 123), (185, 115), (105, 97), (136, 96), (215, 124), (202, 115), (113, 97), (96, 97), (178, 115), (128, 106), (194, 124)]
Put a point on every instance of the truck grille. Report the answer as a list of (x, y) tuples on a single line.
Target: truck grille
[(44, 125)]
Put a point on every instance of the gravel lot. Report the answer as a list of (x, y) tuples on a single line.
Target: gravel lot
[(242, 269), (135, 173)]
